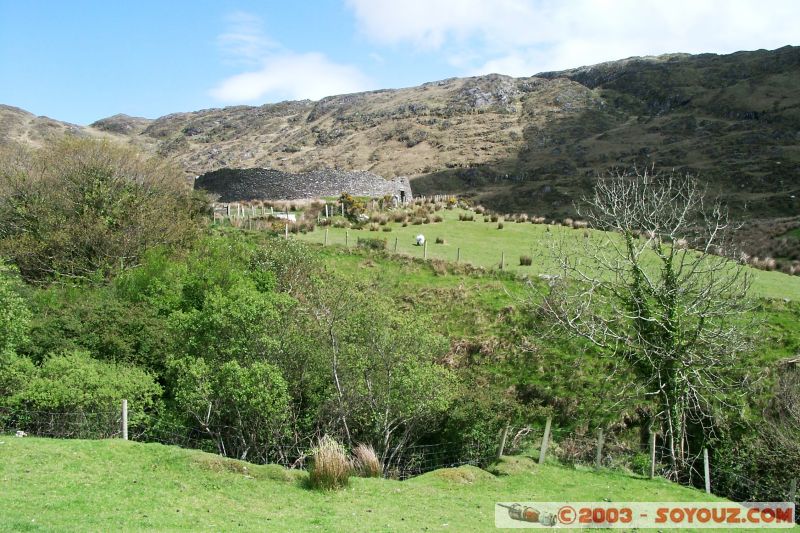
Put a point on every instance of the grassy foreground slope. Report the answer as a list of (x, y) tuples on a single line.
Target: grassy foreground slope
[(76, 485), (483, 244)]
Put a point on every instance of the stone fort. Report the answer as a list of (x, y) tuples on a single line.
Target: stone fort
[(238, 185)]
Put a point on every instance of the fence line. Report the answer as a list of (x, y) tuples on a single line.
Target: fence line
[(568, 446)]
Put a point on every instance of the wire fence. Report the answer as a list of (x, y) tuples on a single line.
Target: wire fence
[(569, 447)]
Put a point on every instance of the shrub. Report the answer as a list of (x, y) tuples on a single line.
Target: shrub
[(494, 218), (372, 244), (417, 222), (427, 220), (387, 228), (330, 467), (440, 240), (437, 218), (374, 227), (500, 225), (479, 209), (366, 462), (73, 382), (399, 217), (525, 260), (405, 224), (567, 222), (466, 217), (522, 218), (82, 209)]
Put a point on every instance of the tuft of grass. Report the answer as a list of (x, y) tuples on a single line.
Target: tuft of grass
[(440, 240), (330, 467), (366, 462), (500, 225), (525, 260)]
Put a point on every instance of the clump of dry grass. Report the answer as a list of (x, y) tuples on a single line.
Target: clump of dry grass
[(330, 467), (440, 240), (366, 462), (525, 260)]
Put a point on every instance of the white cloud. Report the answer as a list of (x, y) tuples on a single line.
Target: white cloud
[(275, 73), (294, 77), (522, 37), (244, 41)]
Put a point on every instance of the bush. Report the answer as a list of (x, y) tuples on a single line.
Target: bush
[(440, 240), (73, 382), (14, 315), (366, 462), (525, 260), (372, 244), (330, 467), (387, 229), (466, 217), (437, 218), (81, 209), (500, 225), (494, 218)]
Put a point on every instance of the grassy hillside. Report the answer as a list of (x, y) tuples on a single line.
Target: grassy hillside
[(77, 485), (482, 244)]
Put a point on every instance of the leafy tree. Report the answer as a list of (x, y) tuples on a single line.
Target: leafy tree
[(81, 209), (386, 382), (242, 408)]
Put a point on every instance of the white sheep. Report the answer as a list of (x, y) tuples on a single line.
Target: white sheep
[(420, 239)]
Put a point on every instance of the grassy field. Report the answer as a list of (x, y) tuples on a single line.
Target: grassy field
[(483, 244), (75, 485)]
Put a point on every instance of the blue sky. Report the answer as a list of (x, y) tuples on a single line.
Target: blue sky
[(80, 61)]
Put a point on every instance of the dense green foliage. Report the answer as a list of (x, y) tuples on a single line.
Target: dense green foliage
[(81, 209)]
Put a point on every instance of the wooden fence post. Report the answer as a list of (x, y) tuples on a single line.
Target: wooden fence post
[(706, 471), (458, 254), (502, 260), (346, 238), (125, 419), (545, 440), (395, 244), (503, 438), (326, 237), (652, 453), (598, 457), (425, 250)]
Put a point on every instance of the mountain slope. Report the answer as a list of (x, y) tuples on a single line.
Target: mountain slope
[(515, 144)]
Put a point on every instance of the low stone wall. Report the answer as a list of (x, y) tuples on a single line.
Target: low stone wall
[(236, 185)]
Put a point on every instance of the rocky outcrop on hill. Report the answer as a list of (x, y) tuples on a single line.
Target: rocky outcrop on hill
[(232, 185)]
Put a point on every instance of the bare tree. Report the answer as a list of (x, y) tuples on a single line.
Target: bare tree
[(658, 292)]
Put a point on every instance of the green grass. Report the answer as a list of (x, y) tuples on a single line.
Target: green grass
[(76, 485), (482, 244)]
